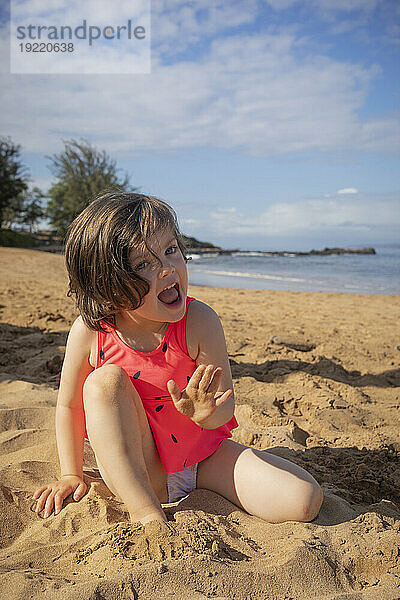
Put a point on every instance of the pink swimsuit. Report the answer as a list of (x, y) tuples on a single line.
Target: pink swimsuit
[(179, 441)]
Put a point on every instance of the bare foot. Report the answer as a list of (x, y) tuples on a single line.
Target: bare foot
[(154, 515)]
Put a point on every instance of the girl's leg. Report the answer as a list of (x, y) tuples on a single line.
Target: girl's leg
[(120, 436), (261, 483)]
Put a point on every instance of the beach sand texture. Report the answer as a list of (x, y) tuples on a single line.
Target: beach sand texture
[(316, 379)]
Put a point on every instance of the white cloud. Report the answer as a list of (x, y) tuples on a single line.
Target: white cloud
[(343, 16), (314, 217), (327, 6), (347, 191), (251, 93), (183, 221), (177, 24), (256, 93), (66, 13)]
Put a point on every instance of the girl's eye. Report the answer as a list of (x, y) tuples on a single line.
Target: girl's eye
[(141, 266), (153, 263)]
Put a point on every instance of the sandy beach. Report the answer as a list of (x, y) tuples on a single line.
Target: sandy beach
[(317, 381)]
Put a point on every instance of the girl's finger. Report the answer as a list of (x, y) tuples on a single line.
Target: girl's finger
[(48, 507), (80, 491), (219, 401), (38, 492), (216, 380), (41, 501), (196, 377), (174, 390), (58, 502), (206, 379)]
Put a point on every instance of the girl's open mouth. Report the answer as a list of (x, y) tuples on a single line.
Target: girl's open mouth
[(171, 296)]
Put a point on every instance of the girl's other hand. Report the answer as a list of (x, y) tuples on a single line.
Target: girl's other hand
[(52, 495), (200, 399)]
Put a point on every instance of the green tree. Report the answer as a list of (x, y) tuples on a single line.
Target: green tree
[(24, 210), (13, 177), (12, 213), (81, 171), (33, 210)]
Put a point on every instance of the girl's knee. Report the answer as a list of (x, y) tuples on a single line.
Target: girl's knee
[(302, 506), (311, 503), (106, 378)]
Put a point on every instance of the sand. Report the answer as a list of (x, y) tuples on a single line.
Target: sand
[(316, 379)]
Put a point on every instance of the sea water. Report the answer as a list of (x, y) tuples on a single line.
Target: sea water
[(352, 273)]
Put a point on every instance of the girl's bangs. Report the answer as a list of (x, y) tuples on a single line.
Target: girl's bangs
[(150, 221)]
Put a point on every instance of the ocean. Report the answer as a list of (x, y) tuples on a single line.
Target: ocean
[(348, 273)]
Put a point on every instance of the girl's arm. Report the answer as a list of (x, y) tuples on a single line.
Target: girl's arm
[(70, 427), (206, 345), (69, 422)]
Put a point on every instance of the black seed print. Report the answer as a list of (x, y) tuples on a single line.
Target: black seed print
[(164, 348), (101, 355), (188, 378), (158, 408), (136, 375), (202, 429), (157, 398), (184, 464), (174, 438)]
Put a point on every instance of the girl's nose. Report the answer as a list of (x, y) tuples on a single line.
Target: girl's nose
[(166, 269)]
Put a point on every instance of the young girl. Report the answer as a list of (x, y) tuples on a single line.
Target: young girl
[(146, 378)]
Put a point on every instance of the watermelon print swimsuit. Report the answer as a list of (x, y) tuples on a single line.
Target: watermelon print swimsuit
[(179, 441)]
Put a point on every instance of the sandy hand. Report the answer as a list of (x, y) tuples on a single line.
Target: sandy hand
[(53, 494), (200, 399)]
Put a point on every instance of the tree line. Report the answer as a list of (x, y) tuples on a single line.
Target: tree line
[(80, 172)]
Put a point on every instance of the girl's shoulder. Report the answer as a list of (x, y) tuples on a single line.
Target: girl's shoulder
[(198, 310), (80, 330), (200, 321), (82, 339)]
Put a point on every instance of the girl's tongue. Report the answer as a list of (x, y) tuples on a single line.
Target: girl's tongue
[(169, 296)]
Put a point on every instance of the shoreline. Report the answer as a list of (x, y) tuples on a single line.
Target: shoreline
[(324, 252), (302, 292)]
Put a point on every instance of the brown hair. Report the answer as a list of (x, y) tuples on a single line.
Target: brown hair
[(98, 246)]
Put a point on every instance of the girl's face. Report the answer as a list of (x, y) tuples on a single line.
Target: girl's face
[(168, 280)]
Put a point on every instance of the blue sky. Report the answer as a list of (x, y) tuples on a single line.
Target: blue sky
[(265, 124)]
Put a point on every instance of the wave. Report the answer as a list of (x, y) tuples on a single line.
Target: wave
[(244, 274), (260, 254), (249, 253), (245, 254), (195, 256)]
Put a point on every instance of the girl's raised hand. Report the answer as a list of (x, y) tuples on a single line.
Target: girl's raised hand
[(53, 495), (200, 399)]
